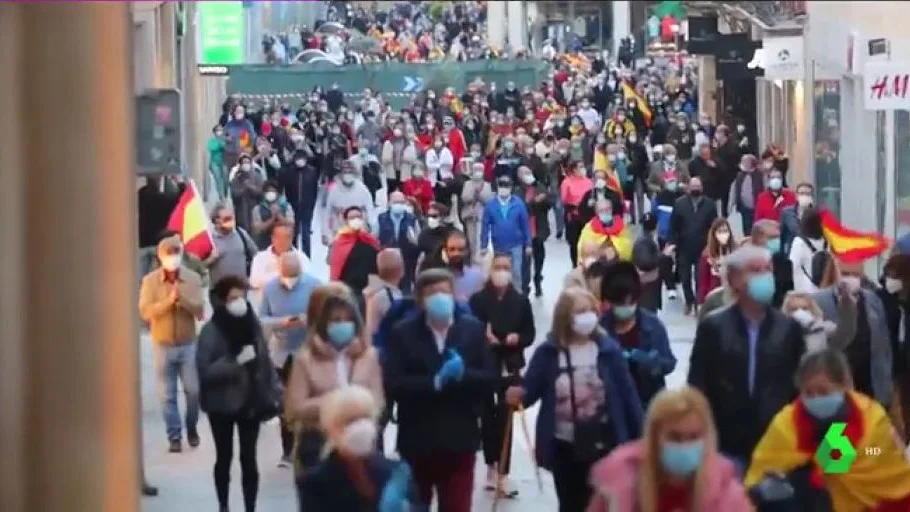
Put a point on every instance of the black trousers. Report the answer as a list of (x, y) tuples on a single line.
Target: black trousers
[(223, 436), (570, 477), (533, 266), (573, 232), (493, 424), (667, 270), (287, 436), (686, 267)]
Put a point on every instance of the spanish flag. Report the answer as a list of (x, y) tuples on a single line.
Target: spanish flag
[(848, 245), (629, 92), (617, 233), (189, 219)]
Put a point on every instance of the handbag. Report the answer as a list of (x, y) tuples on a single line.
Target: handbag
[(593, 439)]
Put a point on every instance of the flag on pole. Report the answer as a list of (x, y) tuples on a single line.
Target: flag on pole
[(848, 245), (189, 219), (629, 92)]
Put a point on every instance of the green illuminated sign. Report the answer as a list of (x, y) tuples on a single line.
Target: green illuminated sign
[(835, 440), (222, 35)]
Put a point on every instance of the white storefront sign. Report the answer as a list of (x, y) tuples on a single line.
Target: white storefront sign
[(782, 58), (886, 85)]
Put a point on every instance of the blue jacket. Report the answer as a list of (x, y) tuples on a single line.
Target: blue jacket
[(623, 404), (662, 208), (387, 237), (652, 336), (505, 231), (789, 228)]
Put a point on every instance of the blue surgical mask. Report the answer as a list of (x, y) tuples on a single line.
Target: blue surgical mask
[(824, 406), (341, 334), (681, 459), (761, 287), (624, 312), (670, 185), (440, 306), (773, 245), (775, 183), (606, 218), (398, 209)]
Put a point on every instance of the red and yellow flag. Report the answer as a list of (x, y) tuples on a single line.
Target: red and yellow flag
[(848, 245), (189, 219), (629, 92)]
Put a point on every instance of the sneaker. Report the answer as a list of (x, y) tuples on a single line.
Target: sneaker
[(672, 295), (192, 438), (175, 446), (491, 479), (285, 462), (506, 489)]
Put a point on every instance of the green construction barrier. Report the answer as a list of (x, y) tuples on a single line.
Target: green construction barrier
[(397, 82)]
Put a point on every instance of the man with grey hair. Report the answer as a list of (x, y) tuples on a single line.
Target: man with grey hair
[(745, 355), (690, 224), (766, 234), (234, 249), (747, 185)]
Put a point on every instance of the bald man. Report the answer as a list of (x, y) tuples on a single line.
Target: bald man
[(282, 313), (398, 229), (381, 294)]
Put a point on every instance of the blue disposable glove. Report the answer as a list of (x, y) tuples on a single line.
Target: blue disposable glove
[(773, 488), (451, 371), (642, 357), (394, 497)]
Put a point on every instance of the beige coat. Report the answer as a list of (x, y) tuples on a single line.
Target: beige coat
[(404, 162), (316, 371), (171, 323)]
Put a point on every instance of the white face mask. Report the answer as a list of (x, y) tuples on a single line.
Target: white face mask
[(528, 179), (587, 262), (432, 223), (504, 192), (355, 223), (289, 282), (244, 167), (271, 196), (501, 278), (347, 179), (893, 285), (804, 200), (584, 323), (171, 262), (600, 183), (722, 237), (803, 316), (670, 158), (417, 174), (237, 307), (359, 438), (853, 283), (477, 175)]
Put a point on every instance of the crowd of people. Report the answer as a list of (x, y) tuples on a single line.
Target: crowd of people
[(436, 218)]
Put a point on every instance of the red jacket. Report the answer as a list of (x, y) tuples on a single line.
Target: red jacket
[(420, 190), (707, 281), (768, 206)]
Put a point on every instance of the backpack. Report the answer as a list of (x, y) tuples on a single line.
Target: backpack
[(819, 261), (399, 309), (249, 248)]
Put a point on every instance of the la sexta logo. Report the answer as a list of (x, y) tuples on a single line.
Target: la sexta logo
[(890, 86)]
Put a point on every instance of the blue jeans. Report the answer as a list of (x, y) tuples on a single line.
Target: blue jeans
[(559, 213), (518, 261), (174, 362), (748, 217)]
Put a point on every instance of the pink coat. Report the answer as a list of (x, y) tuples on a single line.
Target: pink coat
[(614, 481)]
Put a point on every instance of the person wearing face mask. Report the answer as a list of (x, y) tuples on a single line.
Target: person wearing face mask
[(273, 209), (619, 125), (509, 323), (170, 301), (606, 188), (682, 137), (399, 157), (507, 161), (575, 186), (690, 224), (731, 163), (803, 250), (589, 116), (238, 386), (300, 181), (399, 229), (893, 294), (770, 202), (234, 249), (419, 187), (791, 216), (843, 299), (720, 244), (667, 167), (265, 267), (216, 147), (355, 475), (336, 354), (745, 190), (675, 466), (352, 258), (282, 312), (745, 384), (580, 377), (440, 171), (538, 198), (347, 192), (766, 234), (438, 369), (662, 205), (475, 194), (785, 474), (816, 330), (641, 334), (246, 181), (239, 135), (505, 227)]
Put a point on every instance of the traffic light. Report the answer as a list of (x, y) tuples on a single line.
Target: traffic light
[(158, 134)]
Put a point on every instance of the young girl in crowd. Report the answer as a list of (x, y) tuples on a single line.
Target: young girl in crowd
[(720, 244)]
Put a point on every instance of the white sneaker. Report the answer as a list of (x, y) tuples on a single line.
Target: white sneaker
[(506, 489), (672, 295), (490, 484), (285, 462)]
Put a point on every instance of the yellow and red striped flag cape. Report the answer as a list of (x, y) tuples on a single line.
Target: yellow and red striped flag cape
[(629, 92), (189, 219), (848, 245)]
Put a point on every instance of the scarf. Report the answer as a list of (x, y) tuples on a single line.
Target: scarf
[(237, 331), (344, 243)]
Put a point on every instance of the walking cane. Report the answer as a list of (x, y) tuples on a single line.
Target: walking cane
[(527, 435), (503, 453)]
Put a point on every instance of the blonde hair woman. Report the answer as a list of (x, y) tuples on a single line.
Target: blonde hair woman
[(354, 475), (674, 466), (580, 377), (816, 330), (337, 353)]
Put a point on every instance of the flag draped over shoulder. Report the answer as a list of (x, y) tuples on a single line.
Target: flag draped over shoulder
[(189, 219), (848, 245), (629, 92)]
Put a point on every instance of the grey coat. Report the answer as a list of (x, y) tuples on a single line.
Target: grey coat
[(224, 385), (844, 316)]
